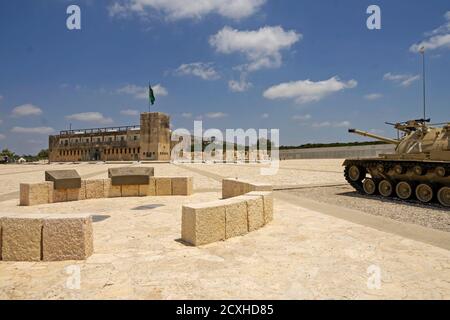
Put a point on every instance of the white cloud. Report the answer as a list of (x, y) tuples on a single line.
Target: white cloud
[(326, 124), (205, 71), (405, 80), (90, 117), (239, 86), (216, 115), (26, 110), (129, 112), (36, 130), (301, 117), (182, 9), (305, 91), (265, 116), (186, 115), (438, 38), (142, 92), (1, 97), (373, 96), (2, 136), (262, 47)]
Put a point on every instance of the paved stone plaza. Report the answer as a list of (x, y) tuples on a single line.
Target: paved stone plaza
[(320, 245)]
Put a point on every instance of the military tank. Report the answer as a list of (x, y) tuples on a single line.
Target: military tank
[(418, 169)]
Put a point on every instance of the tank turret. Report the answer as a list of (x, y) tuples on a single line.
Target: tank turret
[(419, 168)]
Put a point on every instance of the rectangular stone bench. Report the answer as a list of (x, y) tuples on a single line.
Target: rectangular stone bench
[(63, 179), (51, 237), (130, 175), (210, 222), (235, 187)]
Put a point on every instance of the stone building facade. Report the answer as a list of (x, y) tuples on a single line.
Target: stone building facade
[(148, 141)]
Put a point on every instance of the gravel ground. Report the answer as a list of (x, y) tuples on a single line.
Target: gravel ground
[(431, 216)]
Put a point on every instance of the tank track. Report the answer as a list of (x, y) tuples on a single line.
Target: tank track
[(364, 166), (357, 185)]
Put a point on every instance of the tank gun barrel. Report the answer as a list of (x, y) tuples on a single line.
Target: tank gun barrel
[(374, 136)]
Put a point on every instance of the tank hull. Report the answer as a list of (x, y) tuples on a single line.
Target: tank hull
[(409, 179)]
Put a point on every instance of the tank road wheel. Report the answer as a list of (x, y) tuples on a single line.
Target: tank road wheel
[(386, 188), (369, 186), (444, 196), (440, 172), (418, 170), (403, 190), (398, 169), (424, 193), (355, 173)]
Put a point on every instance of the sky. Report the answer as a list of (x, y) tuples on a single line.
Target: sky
[(310, 68)]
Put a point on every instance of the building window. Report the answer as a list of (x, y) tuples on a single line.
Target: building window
[(99, 140), (122, 139), (135, 138)]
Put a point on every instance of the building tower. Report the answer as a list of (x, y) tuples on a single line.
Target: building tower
[(155, 136)]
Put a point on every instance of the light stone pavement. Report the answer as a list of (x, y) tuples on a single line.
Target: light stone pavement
[(302, 254)]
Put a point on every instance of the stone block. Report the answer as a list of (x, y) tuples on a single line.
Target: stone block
[(203, 223), (36, 193), (267, 203), (130, 175), (163, 186), (77, 194), (111, 191), (67, 237), (59, 195), (64, 179), (152, 187), (236, 221), (130, 190), (233, 188), (255, 211), (182, 186), (22, 237), (143, 190), (95, 189)]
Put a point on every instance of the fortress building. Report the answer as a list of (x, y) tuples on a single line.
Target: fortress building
[(149, 141)]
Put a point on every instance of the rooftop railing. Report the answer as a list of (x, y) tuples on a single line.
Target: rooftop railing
[(98, 130)]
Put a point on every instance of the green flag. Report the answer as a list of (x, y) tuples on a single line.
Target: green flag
[(151, 95)]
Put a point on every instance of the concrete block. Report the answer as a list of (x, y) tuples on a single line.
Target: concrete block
[(236, 221), (64, 179), (77, 194), (22, 237), (36, 193), (130, 190), (163, 186), (59, 195), (111, 191), (95, 189), (203, 223), (255, 211), (67, 237), (267, 203), (182, 186)]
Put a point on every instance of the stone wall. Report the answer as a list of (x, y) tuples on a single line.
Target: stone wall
[(337, 152), (42, 193)]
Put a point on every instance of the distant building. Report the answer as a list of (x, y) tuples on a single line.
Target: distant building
[(148, 141)]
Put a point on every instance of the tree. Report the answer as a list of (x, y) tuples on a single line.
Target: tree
[(43, 154)]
